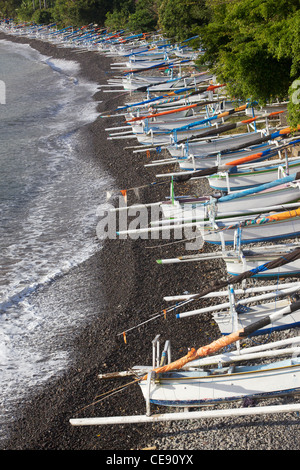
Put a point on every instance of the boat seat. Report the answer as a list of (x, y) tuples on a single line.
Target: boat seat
[(220, 371)]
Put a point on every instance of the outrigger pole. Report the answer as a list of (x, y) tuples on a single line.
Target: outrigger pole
[(190, 415)]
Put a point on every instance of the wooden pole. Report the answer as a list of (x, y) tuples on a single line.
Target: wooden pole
[(212, 414)]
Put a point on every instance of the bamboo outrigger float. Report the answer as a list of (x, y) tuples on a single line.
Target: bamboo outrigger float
[(238, 260), (241, 260), (191, 415), (246, 309)]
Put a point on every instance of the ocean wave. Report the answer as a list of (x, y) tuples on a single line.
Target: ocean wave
[(15, 298)]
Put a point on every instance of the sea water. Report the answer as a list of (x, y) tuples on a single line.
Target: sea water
[(49, 193)]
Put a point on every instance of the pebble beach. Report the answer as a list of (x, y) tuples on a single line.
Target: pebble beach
[(126, 286)]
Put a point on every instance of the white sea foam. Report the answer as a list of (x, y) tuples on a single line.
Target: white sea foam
[(51, 190), (68, 67)]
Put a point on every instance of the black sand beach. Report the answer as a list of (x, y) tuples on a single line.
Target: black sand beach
[(124, 286), (127, 287)]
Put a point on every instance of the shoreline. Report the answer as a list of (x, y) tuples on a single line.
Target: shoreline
[(132, 287)]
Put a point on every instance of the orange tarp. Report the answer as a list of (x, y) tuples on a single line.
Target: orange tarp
[(202, 351)]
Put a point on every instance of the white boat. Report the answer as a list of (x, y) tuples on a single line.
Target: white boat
[(165, 138), (245, 315), (168, 113), (144, 64), (242, 259), (250, 175), (217, 144), (197, 130), (222, 160), (242, 309), (169, 122), (214, 145), (268, 227), (193, 380), (154, 84), (192, 163), (176, 83), (142, 127), (132, 83), (225, 384), (201, 129), (183, 383), (245, 306), (279, 192)]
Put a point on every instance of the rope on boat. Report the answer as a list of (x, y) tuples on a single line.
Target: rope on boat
[(155, 316), (124, 191), (260, 220), (184, 240), (110, 393), (278, 262)]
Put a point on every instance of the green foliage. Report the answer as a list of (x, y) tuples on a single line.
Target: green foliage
[(25, 11), (251, 45), (294, 104), (65, 12), (43, 16), (80, 12), (117, 19), (139, 16), (144, 18), (8, 7), (181, 19)]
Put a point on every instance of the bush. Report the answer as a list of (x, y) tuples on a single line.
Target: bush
[(294, 104), (25, 11), (42, 16)]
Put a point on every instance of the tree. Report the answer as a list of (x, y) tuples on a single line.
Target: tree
[(8, 7), (80, 12), (144, 18), (294, 104), (42, 16), (118, 17), (182, 19), (251, 45), (25, 11)]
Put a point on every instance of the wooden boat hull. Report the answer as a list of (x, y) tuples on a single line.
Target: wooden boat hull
[(192, 388), (189, 209), (248, 315), (203, 162), (276, 230), (215, 144), (248, 179), (164, 126), (236, 265)]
